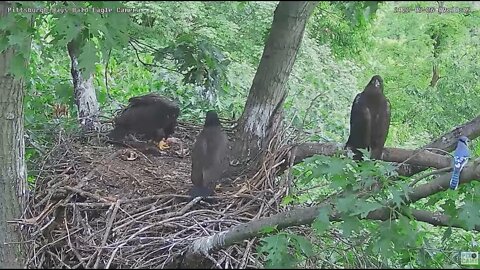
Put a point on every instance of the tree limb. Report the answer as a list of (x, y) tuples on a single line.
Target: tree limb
[(303, 216), (414, 157), (436, 219), (447, 141), (413, 161)]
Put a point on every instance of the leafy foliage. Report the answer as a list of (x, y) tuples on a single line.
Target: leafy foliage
[(343, 25), (284, 250), (204, 55)]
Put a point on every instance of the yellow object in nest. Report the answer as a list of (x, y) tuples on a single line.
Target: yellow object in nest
[(162, 145)]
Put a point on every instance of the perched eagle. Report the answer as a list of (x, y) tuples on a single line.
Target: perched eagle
[(369, 120), (151, 117), (209, 156)]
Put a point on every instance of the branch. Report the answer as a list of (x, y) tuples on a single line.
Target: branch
[(414, 157), (436, 219), (413, 161), (152, 65), (447, 141), (469, 173), (303, 216)]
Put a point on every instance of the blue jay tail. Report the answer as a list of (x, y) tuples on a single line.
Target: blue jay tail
[(455, 178)]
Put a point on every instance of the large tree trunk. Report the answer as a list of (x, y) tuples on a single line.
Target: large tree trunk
[(12, 162), (263, 110), (83, 89)]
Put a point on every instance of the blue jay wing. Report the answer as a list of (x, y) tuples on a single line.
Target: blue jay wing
[(459, 163)]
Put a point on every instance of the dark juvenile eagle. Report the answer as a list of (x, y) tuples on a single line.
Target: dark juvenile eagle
[(209, 156), (369, 120), (151, 117)]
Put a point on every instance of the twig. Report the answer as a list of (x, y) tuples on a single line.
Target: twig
[(414, 182), (181, 212), (82, 262), (107, 232), (85, 193), (107, 89), (245, 255)]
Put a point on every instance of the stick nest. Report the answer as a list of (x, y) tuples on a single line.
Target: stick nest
[(96, 205)]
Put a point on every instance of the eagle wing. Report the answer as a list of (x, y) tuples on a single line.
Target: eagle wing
[(360, 124), (146, 99), (381, 130), (214, 167), (198, 154)]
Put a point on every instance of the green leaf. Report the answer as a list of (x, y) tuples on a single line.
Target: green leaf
[(335, 167), (383, 246), (3, 43), (276, 248), (303, 244), (339, 181), (363, 207), (64, 91), (449, 207), (447, 234), (17, 66), (322, 222), (397, 198), (268, 229), (349, 225), (470, 215), (8, 22), (88, 58), (288, 199), (346, 204), (68, 27), (18, 38)]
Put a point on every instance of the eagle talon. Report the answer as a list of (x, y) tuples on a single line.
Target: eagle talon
[(162, 145)]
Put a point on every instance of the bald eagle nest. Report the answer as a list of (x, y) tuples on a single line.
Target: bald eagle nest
[(98, 205)]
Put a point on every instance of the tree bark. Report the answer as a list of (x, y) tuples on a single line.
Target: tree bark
[(435, 76), (12, 162), (263, 114), (83, 89)]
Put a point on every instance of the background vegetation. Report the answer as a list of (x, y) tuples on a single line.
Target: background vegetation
[(204, 55)]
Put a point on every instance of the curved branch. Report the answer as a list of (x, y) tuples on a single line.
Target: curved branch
[(436, 219), (414, 157), (152, 65), (469, 173), (413, 161), (447, 142), (303, 216)]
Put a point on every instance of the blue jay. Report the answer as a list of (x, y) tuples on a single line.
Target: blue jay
[(460, 158)]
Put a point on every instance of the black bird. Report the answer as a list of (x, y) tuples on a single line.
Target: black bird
[(150, 116), (369, 120), (209, 157)]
